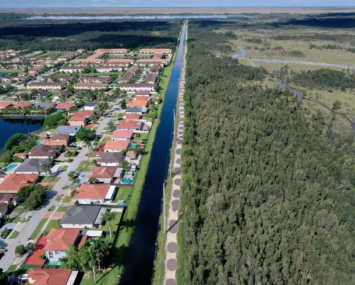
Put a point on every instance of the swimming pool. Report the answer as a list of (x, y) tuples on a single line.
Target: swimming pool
[(126, 180), (133, 145), (10, 167), (40, 143)]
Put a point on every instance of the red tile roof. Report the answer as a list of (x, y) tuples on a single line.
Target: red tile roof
[(135, 117), (5, 104), (92, 191), (122, 134), (39, 249), (103, 172), (141, 98), (139, 103), (13, 182), (21, 105), (49, 276), (61, 239), (83, 113), (121, 145), (127, 125), (77, 119)]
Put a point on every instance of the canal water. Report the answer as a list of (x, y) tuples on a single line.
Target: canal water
[(8, 127), (141, 252)]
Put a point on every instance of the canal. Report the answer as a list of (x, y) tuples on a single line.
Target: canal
[(141, 251), (11, 126)]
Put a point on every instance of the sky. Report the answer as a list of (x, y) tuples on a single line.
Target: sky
[(171, 3)]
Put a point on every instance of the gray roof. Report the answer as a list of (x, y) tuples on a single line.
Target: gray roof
[(67, 129), (89, 104), (45, 104), (30, 165), (82, 215), (133, 109), (110, 157)]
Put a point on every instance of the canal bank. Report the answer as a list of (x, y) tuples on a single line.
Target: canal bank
[(141, 251)]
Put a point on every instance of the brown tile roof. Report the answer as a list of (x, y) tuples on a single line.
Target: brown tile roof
[(77, 119), (122, 134), (65, 105), (5, 104), (132, 116), (92, 191), (15, 181), (127, 125), (21, 105), (59, 137), (49, 276), (138, 103), (83, 113), (117, 145), (60, 239), (103, 172), (7, 197), (42, 150)]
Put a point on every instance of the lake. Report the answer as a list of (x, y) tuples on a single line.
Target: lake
[(8, 127)]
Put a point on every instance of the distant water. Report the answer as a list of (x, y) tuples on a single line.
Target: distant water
[(151, 17), (8, 127)]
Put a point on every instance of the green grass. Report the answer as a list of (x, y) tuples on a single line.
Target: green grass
[(11, 72), (105, 140), (48, 179), (121, 241), (52, 224), (51, 208), (62, 208), (143, 136), (26, 268), (38, 229), (11, 269), (20, 209), (52, 55), (14, 234), (114, 223), (85, 166), (122, 193), (67, 199)]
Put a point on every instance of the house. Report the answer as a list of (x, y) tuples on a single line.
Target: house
[(22, 155), (151, 78), (3, 210), (4, 105), (65, 106), (59, 140), (21, 105), (107, 68), (95, 79), (155, 50), (84, 217), (77, 121), (122, 135), (7, 198), (42, 151), (141, 98), (126, 77), (30, 166), (143, 93), (45, 86), (41, 94), (71, 69), (91, 86), (109, 159), (62, 94), (13, 182), (91, 106), (46, 105), (136, 110), (130, 125), (139, 103), (132, 155), (95, 193), (70, 130), (39, 276), (120, 61), (150, 61), (112, 50), (133, 87), (134, 117), (58, 242), (83, 113), (105, 174), (116, 146)]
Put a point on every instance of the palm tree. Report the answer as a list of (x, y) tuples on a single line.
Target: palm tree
[(108, 217)]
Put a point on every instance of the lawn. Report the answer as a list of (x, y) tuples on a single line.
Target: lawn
[(85, 166), (38, 229), (121, 241), (20, 209), (105, 140), (122, 193), (62, 208), (52, 55), (67, 199), (52, 224), (11, 269), (51, 208), (48, 179), (14, 234), (114, 223)]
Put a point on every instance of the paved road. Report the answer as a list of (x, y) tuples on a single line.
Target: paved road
[(38, 215)]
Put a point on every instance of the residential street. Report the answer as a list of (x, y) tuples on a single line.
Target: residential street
[(38, 215)]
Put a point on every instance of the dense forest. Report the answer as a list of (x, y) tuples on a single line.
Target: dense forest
[(90, 35), (323, 79), (268, 196)]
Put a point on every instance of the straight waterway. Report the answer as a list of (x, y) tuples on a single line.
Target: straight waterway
[(141, 251)]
